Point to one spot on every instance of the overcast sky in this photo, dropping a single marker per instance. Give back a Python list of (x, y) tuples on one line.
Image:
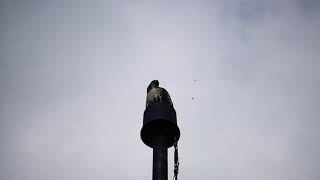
[(73, 78)]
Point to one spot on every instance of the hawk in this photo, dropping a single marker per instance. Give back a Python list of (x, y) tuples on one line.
[(157, 94)]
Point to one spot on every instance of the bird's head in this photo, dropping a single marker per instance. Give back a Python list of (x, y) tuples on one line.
[(153, 84)]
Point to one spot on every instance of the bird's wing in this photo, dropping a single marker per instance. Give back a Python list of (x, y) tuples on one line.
[(165, 96)]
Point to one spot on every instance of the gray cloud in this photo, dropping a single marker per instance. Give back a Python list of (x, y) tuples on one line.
[(73, 78)]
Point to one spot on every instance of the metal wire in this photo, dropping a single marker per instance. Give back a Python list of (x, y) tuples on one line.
[(176, 160)]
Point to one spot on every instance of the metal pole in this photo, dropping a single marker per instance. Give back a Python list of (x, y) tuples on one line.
[(160, 157), (160, 132), (160, 164)]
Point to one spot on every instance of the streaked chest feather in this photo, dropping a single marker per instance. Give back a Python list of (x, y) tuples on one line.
[(153, 93)]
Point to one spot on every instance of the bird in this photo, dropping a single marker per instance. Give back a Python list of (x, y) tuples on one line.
[(156, 94)]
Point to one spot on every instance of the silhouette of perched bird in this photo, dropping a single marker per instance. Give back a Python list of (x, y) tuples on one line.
[(157, 94)]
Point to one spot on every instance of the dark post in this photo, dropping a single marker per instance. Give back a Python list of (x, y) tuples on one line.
[(160, 163), (160, 131)]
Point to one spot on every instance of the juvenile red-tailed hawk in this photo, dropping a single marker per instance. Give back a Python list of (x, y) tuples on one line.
[(157, 94)]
